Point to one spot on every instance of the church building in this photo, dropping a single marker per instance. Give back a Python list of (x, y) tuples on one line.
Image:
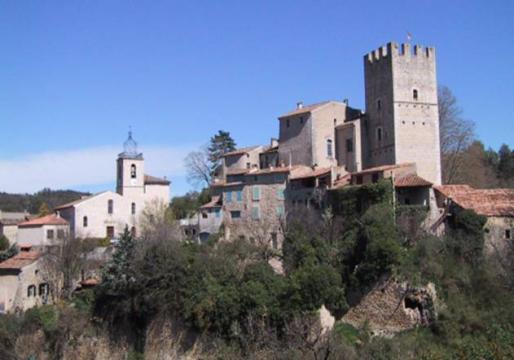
[(106, 214)]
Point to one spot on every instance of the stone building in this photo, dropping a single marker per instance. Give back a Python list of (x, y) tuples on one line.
[(330, 144), (107, 214), (495, 204), (21, 283)]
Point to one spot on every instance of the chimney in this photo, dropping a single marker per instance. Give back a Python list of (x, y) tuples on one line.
[(345, 101), (274, 142), (299, 105)]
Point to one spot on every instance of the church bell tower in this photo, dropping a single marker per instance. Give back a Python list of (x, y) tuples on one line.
[(130, 170)]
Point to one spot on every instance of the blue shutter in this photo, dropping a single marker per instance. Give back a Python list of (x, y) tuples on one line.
[(239, 195), (229, 196), (256, 193)]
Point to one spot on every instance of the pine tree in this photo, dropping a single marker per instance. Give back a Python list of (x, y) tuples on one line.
[(220, 144), (118, 275)]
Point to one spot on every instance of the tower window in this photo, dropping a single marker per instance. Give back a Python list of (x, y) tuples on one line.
[(415, 94), (349, 145), (133, 172), (379, 105), (288, 123), (379, 134), (84, 221), (110, 206), (133, 208), (329, 148)]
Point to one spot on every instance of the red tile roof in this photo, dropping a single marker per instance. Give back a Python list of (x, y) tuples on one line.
[(487, 202), (305, 172), (411, 180), (237, 171), (274, 170), (304, 109), (241, 151), (152, 180), (20, 260), (44, 220)]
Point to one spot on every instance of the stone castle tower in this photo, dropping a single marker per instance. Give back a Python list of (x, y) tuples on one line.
[(402, 117), (130, 178)]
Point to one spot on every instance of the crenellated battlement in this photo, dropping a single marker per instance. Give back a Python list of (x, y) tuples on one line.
[(399, 50)]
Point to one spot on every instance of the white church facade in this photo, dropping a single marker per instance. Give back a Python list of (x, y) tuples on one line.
[(106, 214)]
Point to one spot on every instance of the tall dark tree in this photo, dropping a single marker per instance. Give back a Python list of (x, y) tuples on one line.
[(220, 144), (505, 163)]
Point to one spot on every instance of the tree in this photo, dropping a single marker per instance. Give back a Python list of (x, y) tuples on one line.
[(63, 263), (220, 144), (456, 134), (198, 168), (506, 163), (188, 204), (43, 210)]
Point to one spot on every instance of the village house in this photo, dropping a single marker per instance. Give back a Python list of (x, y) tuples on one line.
[(43, 231), (9, 224), (21, 282), (105, 215)]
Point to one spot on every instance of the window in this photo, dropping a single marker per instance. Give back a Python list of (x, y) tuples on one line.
[(248, 165), (43, 289), (50, 234), (280, 194), (256, 192), (379, 133), (301, 120), (235, 214), (274, 240), (60, 234), (217, 211), (415, 94), (280, 210), (204, 215), (133, 208), (229, 196), (84, 221), (31, 290), (110, 206), (110, 232), (133, 172), (256, 213), (359, 179), (507, 234), (288, 123), (349, 145), (374, 178), (329, 148), (239, 195), (379, 105)]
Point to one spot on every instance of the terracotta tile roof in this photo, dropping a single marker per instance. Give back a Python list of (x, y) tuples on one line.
[(383, 168), (215, 202), (305, 172), (304, 109), (487, 202), (44, 220), (152, 180), (343, 181), (20, 260), (270, 149), (411, 180), (241, 151)]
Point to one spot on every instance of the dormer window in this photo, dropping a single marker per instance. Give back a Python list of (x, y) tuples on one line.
[(415, 94), (133, 172)]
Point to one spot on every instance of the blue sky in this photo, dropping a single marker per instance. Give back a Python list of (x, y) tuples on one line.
[(74, 75)]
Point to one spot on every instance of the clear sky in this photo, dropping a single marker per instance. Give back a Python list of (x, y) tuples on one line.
[(74, 75)]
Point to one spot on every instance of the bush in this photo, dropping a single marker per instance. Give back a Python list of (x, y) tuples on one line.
[(4, 243)]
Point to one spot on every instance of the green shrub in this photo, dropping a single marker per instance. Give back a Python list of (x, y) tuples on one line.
[(4, 243)]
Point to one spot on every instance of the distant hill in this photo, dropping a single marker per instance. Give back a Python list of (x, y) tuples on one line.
[(32, 202)]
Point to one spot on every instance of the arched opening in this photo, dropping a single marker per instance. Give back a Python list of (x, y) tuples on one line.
[(415, 94), (379, 134), (133, 208), (133, 172)]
